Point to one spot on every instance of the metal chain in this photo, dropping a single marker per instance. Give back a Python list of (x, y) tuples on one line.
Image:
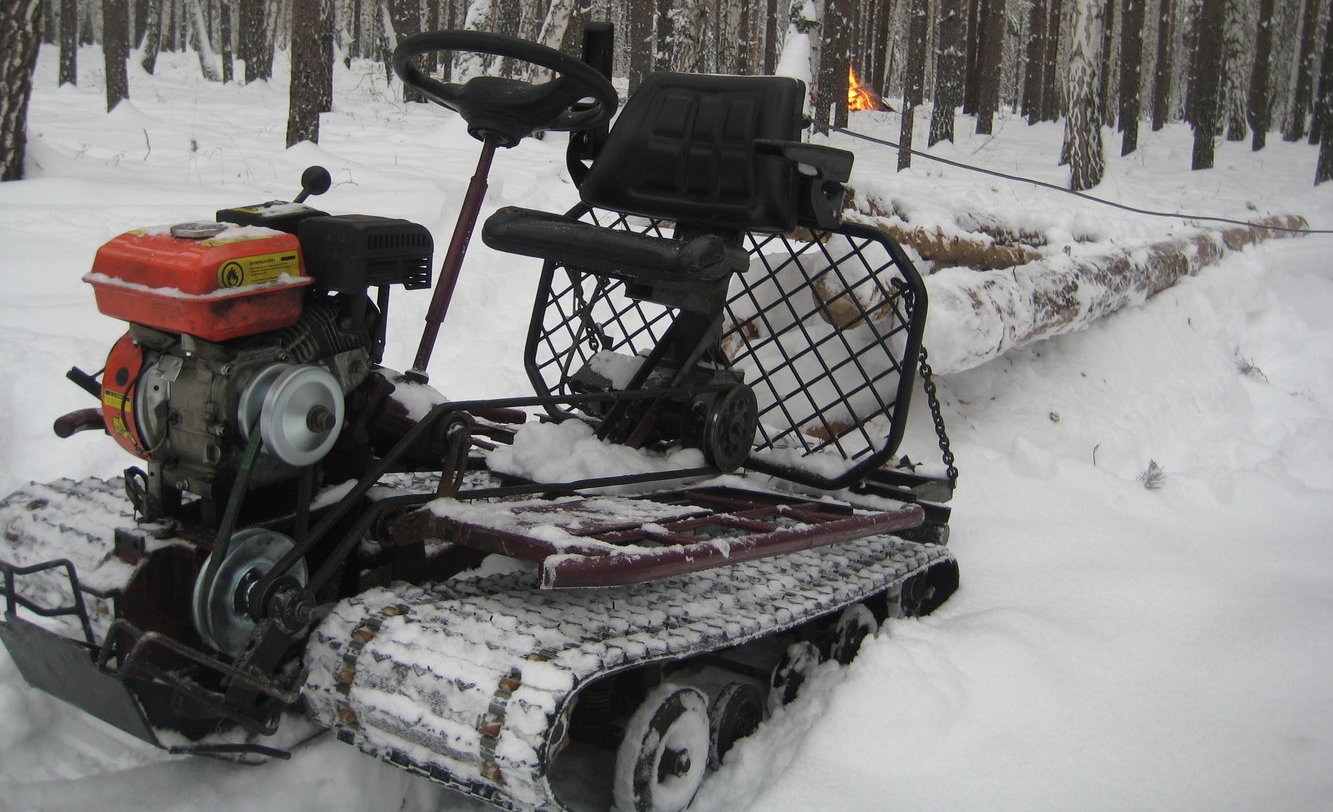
[(928, 383)]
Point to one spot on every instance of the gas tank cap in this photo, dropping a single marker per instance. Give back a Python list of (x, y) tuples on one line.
[(201, 230)]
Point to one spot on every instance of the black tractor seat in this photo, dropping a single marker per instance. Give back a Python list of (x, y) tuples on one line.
[(715, 156)]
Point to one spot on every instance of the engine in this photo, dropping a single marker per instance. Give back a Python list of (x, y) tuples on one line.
[(250, 332)]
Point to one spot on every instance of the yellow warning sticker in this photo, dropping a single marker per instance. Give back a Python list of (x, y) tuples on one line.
[(117, 400), (125, 408), (258, 270)]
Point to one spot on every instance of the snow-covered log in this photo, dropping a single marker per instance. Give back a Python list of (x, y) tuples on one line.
[(979, 252), (975, 315)]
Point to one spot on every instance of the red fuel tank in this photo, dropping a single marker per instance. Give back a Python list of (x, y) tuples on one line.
[(212, 280)]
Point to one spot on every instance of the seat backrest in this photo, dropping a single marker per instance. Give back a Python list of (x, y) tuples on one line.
[(683, 149)]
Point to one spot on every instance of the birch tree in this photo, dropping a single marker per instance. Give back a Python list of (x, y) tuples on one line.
[(20, 24), (1083, 126)]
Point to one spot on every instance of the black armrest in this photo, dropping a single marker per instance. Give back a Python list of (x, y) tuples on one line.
[(823, 172), (625, 254), (818, 160)]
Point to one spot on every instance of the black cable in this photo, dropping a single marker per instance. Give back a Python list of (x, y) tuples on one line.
[(1112, 203)]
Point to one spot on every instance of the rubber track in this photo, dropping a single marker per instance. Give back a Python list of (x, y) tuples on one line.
[(467, 682), (74, 520)]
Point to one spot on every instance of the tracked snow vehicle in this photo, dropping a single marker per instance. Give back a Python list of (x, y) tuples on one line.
[(308, 532)]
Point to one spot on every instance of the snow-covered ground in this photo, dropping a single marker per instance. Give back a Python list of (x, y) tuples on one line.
[(1113, 646)]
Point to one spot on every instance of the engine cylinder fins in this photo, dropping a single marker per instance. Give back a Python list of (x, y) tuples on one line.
[(662, 761), (219, 613), (299, 410)]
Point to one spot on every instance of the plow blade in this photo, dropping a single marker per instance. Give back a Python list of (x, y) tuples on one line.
[(68, 670)]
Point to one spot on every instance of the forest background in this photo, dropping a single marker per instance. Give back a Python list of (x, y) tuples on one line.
[(1234, 69)]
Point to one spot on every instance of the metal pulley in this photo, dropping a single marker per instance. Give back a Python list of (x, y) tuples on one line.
[(219, 604), (299, 410)]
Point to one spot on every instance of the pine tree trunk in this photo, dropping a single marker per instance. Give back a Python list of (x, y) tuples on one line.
[(1258, 106), (992, 53), (839, 40), (141, 9), (772, 43), (311, 89), (406, 19), (20, 30), (1161, 87), (1105, 89), (949, 60), (1233, 69), (746, 41), (880, 22), (1083, 126), (50, 23), (224, 38), (640, 35), (1035, 66), (69, 42), (1131, 55), (1323, 103), (251, 38), (914, 78), (115, 50), (665, 44), (1206, 86), (1300, 99), (977, 15), (1052, 87)]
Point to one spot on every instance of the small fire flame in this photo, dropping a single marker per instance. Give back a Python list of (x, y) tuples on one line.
[(860, 97)]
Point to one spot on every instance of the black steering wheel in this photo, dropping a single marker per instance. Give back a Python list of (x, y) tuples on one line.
[(508, 110)]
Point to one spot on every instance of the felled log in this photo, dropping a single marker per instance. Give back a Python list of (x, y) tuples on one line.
[(975, 316), (977, 251)]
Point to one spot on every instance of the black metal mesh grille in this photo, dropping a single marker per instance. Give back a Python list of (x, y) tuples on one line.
[(825, 327)]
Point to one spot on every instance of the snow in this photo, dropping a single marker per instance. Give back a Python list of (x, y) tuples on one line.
[(1111, 647)]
